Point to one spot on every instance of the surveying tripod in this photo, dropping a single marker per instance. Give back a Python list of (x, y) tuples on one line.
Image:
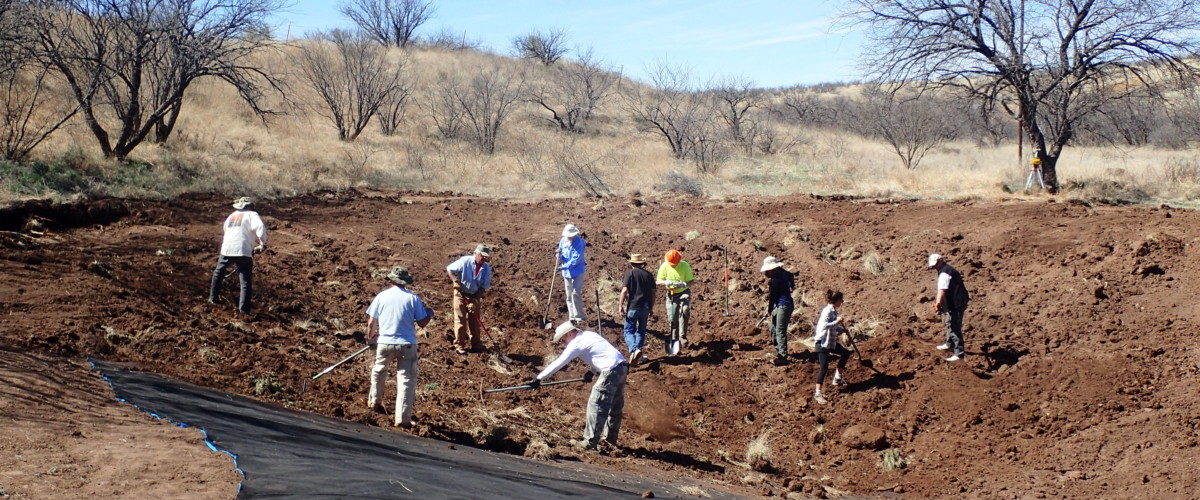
[(1035, 172)]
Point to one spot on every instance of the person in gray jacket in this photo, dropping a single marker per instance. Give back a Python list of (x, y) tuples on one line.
[(829, 325)]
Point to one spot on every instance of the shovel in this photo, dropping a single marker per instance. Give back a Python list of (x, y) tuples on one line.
[(726, 280), (869, 364), (526, 386)]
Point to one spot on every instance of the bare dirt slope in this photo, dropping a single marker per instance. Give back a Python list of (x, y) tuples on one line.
[(62, 435), (1080, 379)]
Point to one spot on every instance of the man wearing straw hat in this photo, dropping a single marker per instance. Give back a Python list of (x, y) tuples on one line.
[(393, 314), (472, 277), (637, 299), (245, 235), (607, 401), (779, 304)]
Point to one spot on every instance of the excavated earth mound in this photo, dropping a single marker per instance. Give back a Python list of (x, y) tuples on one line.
[(1080, 378)]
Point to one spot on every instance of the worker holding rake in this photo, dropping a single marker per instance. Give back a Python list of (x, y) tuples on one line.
[(607, 401), (472, 277), (393, 314), (245, 235)]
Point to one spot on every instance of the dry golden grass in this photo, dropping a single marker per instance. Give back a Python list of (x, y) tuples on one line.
[(220, 146)]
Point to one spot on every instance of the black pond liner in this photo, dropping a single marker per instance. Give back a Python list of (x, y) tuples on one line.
[(288, 453)]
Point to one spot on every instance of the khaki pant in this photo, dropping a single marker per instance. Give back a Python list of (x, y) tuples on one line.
[(574, 293), (405, 357), (605, 406), (468, 327)]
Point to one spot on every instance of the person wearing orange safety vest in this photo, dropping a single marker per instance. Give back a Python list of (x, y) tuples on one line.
[(676, 275)]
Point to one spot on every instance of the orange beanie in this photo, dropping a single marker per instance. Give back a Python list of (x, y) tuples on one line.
[(673, 256)]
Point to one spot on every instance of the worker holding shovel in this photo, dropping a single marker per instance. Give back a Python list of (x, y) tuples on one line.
[(393, 314), (676, 274), (826, 342), (779, 304), (607, 401), (472, 277), (571, 263)]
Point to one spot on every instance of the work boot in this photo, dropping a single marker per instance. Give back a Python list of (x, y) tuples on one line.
[(779, 361), (943, 347), (820, 399), (378, 408)]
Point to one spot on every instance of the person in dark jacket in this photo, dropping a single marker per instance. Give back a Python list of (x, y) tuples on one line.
[(637, 300), (951, 301), (779, 305)]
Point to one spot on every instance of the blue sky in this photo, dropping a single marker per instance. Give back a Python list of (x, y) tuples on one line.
[(773, 42)]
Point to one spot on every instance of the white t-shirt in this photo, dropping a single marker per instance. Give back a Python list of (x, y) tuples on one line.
[(397, 310), (943, 281), (589, 346), (244, 230)]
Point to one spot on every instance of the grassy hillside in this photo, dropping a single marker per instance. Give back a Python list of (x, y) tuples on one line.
[(220, 145)]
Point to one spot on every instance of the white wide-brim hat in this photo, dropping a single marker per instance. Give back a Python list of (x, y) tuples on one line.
[(570, 230), (563, 329), (770, 263)]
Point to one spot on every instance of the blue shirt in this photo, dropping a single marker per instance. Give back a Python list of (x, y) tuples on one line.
[(397, 311), (570, 256), (779, 292), (472, 282)]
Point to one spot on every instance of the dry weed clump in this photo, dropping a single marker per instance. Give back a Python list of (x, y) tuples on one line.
[(759, 453), (892, 459), (873, 263)]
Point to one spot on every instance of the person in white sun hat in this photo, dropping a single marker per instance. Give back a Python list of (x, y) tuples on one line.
[(607, 401), (570, 262), (780, 284), (951, 302), (244, 235)]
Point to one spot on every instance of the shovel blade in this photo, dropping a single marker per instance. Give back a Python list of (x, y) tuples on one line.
[(673, 347)]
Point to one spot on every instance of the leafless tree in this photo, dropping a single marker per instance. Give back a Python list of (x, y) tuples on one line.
[(391, 112), (27, 112), (573, 90), (129, 63), (389, 22), (736, 99), (486, 101), (441, 105), (674, 108), (352, 76), (1049, 63), (546, 47), (911, 125)]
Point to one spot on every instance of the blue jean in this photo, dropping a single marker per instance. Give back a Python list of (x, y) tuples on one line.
[(635, 327)]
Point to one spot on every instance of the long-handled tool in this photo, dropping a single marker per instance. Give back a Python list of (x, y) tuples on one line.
[(527, 386), (546, 323), (340, 363), (869, 364), (726, 280), (761, 320), (673, 344), (599, 314)]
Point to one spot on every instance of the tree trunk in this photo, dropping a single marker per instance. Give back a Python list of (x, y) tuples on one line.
[(1049, 171)]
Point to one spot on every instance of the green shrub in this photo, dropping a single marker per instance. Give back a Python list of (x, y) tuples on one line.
[(34, 178)]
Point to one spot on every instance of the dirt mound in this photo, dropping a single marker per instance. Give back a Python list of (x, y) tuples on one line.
[(66, 437), (1078, 380)]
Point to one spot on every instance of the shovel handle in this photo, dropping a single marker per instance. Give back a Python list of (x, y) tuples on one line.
[(526, 386), (340, 363)]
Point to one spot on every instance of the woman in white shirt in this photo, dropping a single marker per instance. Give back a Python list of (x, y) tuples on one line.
[(829, 325)]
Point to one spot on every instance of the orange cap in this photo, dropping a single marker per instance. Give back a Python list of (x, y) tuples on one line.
[(673, 256)]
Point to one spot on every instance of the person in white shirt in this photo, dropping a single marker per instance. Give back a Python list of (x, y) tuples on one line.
[(951, 301), (245, 235), (393, 314), (607, 401), (829, 325)]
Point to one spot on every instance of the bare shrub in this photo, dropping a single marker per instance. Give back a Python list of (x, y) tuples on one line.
[(443, 109), (892, 459), (911, 125), (546, 47), (486, 101), (569, 166), (736, 99), (572, 91), (130, 63), (759, 453), (392, 110), (873, 263), (451, 40), (389, 22), (684, 117), (675, 182), (29, 110), (353, 78)]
